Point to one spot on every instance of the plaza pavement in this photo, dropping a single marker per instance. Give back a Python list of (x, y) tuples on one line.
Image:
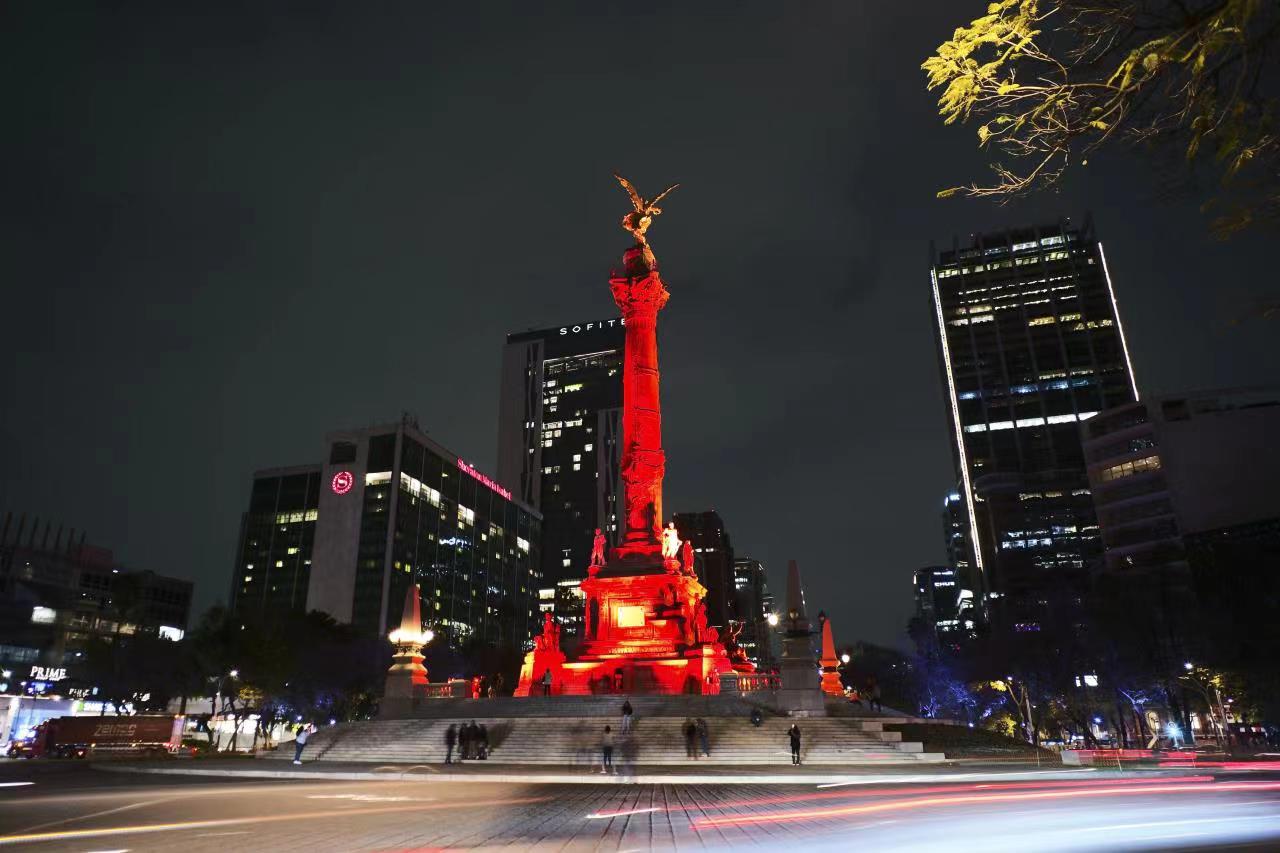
[(495, 772)]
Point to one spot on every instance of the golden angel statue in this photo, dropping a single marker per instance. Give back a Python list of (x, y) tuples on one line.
[(637, 222)]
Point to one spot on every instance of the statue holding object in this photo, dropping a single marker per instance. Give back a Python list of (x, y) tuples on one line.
[(670, 542)]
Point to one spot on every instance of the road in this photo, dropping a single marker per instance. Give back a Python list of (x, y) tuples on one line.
[(70, 807)]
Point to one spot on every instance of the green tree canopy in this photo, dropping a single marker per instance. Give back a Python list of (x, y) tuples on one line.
[(1050, 81)]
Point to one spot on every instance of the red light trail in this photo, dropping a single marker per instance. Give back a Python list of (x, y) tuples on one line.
[(1169, 787)]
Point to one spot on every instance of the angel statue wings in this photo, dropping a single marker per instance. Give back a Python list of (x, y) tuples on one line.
[(637, 222)]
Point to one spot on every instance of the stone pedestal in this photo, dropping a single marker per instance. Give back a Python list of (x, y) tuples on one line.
[(800, 693)]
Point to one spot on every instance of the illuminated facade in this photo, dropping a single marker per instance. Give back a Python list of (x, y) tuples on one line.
[(645, 624), (558, 436), (1031, 346), (277, 536), (391, 507)]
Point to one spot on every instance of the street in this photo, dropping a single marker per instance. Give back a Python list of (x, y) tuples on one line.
[(72, 807)]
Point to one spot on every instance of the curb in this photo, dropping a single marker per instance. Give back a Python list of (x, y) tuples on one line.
[(598, 779)]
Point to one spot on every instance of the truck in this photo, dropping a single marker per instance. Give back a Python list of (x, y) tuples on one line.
[(77, 737)]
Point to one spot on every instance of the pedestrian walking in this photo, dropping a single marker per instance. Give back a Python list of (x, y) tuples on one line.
[(546, 682), (690, 739), (757, 718), (473, 740), (304, 734), (873, 695), (450, 740), (794, 734), (627, 713), (704, 736), (482, 742), (606, 751)]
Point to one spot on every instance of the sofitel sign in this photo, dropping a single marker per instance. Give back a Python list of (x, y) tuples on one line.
[(587, 327)]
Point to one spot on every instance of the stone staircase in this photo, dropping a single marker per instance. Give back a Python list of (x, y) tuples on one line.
[(572, 739)]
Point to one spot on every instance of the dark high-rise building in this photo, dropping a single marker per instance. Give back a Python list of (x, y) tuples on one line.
[(713, 555), (937, 595), (393, 508), (273, 559), (1030, 344), (559, 430), (752, 605), (57, 593), (1185, 487)]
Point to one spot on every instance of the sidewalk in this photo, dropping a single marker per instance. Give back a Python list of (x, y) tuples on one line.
[(642, 775)]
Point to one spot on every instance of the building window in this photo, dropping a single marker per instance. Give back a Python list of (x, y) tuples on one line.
[(1127, 469)]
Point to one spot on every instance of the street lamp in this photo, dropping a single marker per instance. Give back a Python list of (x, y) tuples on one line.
[(235, 673), (772, 619), (844, 658), (1188, 666)]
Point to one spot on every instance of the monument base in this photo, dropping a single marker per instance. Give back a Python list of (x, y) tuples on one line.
[(645, 632)]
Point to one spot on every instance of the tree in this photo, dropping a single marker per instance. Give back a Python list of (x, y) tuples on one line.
[(1050, 81)]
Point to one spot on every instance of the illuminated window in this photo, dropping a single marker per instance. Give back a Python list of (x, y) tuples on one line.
[(1128, 469), (588, 448), (522, 544), (465, 515), (43, 615)]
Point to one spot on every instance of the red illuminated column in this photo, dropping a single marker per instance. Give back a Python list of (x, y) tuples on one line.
[(640, 295)]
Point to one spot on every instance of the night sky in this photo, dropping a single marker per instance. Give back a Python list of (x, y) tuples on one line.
[(225, 233)]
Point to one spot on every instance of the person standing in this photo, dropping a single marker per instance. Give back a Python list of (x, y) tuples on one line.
[(704, 737), (482, 742), (690, 739), (873, 695), (450, 740), (627, 713), (304, 734), (794, 734), (546, 682), (464, 743), (606, 751)]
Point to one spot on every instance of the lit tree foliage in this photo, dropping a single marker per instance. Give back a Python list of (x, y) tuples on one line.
[(1049, 81)]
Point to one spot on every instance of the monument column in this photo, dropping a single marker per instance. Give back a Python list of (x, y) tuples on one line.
[(640, 294)]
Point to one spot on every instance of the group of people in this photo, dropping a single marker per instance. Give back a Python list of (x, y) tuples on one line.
[(696, 734), (471, 740)]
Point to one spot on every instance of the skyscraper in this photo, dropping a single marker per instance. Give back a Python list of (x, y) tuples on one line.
[(752, 605), (713, 553), (558, 436), (277, 532), (1030, 344), (391, 507)]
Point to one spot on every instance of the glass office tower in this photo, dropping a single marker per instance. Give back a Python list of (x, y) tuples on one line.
[(1030, 345), (558, 436)]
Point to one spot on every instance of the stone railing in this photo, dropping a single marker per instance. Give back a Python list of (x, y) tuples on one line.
[(748, 682), (454, 688)]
